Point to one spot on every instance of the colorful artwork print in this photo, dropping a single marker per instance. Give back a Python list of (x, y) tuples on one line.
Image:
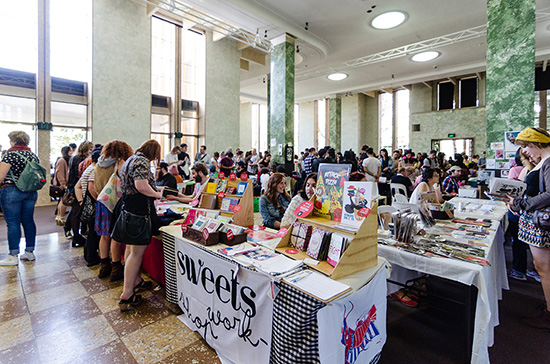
[(330, 189), (357, 337), (509, 140), (499, 154), (356, 196)]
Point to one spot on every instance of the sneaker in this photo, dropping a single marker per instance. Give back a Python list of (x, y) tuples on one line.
[(10, 260), (533, 274), (517, 275), (27, 256), (68, 234)]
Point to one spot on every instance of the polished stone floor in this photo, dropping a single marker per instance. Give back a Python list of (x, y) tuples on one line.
[(56, 310)]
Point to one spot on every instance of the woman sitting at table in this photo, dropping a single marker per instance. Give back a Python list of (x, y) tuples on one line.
[(430, 183), (304, 195), (274, 201), (535, 143), (199, 173)]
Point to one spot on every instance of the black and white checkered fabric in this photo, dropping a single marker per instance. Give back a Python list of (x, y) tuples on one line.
[(169, 251)]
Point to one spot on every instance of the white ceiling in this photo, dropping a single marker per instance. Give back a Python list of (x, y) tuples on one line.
[(340, 31)]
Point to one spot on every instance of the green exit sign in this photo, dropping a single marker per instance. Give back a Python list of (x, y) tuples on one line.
[(451, 135)]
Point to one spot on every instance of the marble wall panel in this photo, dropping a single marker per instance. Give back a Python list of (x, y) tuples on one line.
[(335, 123)]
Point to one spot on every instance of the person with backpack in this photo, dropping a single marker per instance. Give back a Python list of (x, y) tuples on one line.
[(21, 176)]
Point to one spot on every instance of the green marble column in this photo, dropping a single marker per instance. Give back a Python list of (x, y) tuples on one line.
[(281, 97), (335, 123), (268, 111), (510, 67)]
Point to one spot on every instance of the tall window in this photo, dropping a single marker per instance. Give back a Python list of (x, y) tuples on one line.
[(259, 127), (18, 35), (402, 118), (176, 109), (385, 120), (322, 124), (539, 108)]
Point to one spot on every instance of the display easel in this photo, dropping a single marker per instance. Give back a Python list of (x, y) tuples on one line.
[(362, 251), (244, 217)]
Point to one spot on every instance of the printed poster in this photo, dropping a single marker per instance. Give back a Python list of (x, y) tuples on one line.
[(329, 190), (497, 145), (227, 305), (353, 329), (356, 196), (509, 140)]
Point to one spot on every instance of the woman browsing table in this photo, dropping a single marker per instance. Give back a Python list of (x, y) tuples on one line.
[(274, 201)]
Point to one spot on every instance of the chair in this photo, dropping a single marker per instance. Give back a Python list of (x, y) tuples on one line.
[(400, 198), (403, 206), (398, 189), (384, 216), (181, 187)]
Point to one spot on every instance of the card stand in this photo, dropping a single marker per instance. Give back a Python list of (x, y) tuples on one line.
[(237, 239), (362, 251), (197, 237), (245, 217)]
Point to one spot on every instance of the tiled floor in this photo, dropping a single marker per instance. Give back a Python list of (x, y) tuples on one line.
[(56, 310)]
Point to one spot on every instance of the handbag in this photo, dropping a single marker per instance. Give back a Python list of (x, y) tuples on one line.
[(133, 229), (111, 192), (68, 199), (56, 191), (541, 218), (87, 211)]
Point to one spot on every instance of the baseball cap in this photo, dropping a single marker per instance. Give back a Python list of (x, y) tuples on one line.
[(455, 168)]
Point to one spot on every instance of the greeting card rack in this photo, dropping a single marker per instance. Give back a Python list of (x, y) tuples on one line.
[(362, 251), (245, 213)]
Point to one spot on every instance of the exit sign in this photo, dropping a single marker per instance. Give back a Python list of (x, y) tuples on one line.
[(451, 135)]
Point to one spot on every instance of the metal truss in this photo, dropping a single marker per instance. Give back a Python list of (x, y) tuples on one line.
[(196, 16)]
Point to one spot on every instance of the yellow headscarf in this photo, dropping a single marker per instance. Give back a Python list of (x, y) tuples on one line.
[(532, 135)]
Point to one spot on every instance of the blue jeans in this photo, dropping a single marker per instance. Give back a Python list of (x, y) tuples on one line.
[(18, 208)]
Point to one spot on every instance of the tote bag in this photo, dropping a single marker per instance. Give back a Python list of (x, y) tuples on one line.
[(111, 193)]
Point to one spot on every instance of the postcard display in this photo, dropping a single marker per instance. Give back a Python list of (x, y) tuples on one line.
[(237, 200), (359, 238)]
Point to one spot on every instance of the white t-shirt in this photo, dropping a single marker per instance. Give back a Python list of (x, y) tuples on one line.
[(264, 178), (371, 164), (171, 158)]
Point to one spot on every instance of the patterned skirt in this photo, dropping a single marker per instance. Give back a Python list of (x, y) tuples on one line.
[(102, 219), (530, 234)]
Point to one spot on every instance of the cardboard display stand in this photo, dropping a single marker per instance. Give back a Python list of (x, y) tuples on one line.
[(362, 252), (245, 214)]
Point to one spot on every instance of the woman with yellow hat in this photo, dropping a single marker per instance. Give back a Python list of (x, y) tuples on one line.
[(535, 144)]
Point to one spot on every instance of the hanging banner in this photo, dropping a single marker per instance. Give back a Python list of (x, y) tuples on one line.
[(353, 329), (228, 306)]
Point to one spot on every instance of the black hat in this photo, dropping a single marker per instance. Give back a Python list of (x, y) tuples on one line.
[(163, 165)]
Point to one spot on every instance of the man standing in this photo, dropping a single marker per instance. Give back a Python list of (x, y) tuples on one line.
[(450, 184), (482, 163), (431, 161), (253, 163), (184, 162), (371, 166), (202, 156), (322, 159), (308, 161)]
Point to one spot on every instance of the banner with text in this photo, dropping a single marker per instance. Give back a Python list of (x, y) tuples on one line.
[(228, 306), (353, 329)]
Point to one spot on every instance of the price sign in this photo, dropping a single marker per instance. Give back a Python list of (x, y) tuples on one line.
[(229, 234), (205, 234), (221, 175), (194, 203), (364, 212), (291, 251), (281, 233), (237, 208), (232, 177), (337, 215), (244, 177), (304, 209), (221, 194), (184, 228)]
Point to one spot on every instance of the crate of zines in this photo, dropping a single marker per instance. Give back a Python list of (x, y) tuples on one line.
[(210, 231)]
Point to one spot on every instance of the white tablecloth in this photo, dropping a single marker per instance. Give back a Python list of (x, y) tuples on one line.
[(490, 281)]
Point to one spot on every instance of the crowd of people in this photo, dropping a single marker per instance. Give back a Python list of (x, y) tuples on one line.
[(111, 190)]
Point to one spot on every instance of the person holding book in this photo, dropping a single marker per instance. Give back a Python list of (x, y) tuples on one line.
[(199, 172), (535, 143), (304, 195), (274, 201)]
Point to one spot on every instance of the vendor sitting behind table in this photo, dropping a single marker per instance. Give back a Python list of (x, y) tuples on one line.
[(304, 195), (199, 173), (450, 184), (274, 201), (166, 179), (241, 167)]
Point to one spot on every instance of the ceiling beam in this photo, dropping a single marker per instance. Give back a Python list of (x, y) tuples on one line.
[(151, 9), (453, 80), (427, 84), (388, 90), (253, 56), (370, 93), (241, 46), (245, 65)]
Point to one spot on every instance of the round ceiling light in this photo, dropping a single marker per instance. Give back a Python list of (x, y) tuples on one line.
[(339, 76), (388, 20), (425, 56)]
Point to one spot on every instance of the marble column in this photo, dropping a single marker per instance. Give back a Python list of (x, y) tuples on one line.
[(510, 81), (281, 120), (335, 123)]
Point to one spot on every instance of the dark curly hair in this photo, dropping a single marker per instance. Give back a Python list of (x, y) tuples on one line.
[(117, 149)]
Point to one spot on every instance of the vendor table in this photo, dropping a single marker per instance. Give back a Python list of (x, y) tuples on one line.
[(489, 281), (295, 331)]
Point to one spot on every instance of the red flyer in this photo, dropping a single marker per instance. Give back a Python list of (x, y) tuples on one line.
[(184, 228), (237, 208), (281, 232), (194, 203), (304, 209), (363, 212)]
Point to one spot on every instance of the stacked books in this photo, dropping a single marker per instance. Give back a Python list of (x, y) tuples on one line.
[(228, 204)]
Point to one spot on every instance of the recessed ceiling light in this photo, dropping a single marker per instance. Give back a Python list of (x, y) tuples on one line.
[(389, 20), (425, 56), (339, 76)]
